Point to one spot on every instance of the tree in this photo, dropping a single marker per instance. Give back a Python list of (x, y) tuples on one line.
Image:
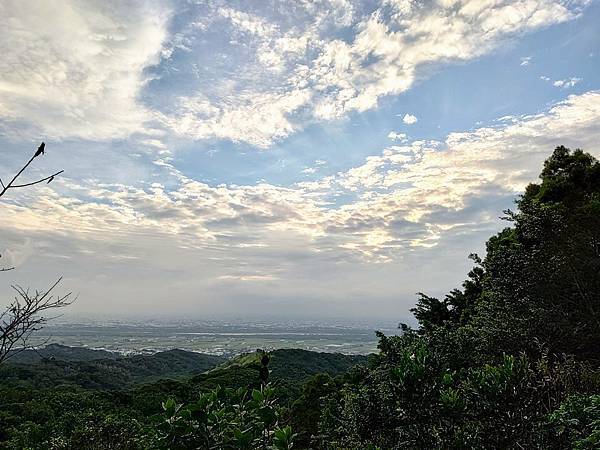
[(542, 282), (11, 184), (226, 419), (538, 288), (492, 362), (25, 314)]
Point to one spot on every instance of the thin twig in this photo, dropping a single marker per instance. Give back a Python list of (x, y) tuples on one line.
[(50, 178), (11, 185)]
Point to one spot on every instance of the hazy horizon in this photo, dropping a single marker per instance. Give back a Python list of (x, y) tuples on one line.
[(306, 160)]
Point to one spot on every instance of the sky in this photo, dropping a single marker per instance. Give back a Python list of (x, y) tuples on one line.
[(301, 159)]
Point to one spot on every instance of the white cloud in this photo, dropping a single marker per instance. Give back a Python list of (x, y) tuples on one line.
[(509, 155), (157, 143), (327, 77), (409, 119), (257, 118), (197, 243), (72, 69), (394, 136), (247, 277), (525, 61), (391, 200), (566, 83), (267, 75), (314, 169), (413, 183), (79, 69)]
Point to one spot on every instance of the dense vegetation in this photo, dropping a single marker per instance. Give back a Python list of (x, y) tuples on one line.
[(74, 398), (509, 360), (95, 369)]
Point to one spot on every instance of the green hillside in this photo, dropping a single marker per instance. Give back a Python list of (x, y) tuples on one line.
[(293, 364), (103, 373), (289, 368), (60, 352)]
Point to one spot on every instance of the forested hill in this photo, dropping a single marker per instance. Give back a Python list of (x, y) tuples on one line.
[(293, 364), (75, 392), (289, 369), (56, 365), (60, 352), (96, 369)]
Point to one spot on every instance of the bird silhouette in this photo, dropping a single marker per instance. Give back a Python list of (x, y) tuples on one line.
[(40, 150)]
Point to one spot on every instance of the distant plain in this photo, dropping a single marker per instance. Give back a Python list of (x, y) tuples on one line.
[(214, 337)]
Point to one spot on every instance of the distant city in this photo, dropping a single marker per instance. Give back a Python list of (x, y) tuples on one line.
[(215, 337)]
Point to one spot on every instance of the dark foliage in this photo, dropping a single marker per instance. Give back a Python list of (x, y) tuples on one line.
[(511, 359), (110, 373)]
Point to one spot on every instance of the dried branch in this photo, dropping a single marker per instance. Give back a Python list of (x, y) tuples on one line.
[(24, 316), (12, 185)]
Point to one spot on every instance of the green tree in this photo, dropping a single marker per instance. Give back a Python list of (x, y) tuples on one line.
[(491, 362)]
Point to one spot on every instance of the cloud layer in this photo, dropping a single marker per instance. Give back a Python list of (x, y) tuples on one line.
[(408, 197), (75, 69), (137, 95), (82, 70), (339, 58)]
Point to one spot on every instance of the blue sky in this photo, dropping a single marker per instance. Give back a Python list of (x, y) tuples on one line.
[(309, 158)]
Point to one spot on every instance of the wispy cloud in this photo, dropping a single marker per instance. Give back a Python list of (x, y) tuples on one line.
[(303, 72), (394, 136), (566, 83), (89, 63), (72, 69), (525, 60)]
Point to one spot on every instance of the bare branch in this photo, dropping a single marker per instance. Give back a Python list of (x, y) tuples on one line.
[(12, 185), (25, 315), (49, 178)]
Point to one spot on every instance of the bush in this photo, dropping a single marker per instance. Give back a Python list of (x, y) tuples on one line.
[(576, 423), (226, 419)]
